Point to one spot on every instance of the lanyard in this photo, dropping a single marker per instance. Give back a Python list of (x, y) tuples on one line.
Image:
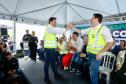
[(93, 35)]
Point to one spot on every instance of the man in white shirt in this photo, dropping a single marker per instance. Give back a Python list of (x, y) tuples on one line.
[(99, 41), (76, 45), (70, 31), (50, 45)]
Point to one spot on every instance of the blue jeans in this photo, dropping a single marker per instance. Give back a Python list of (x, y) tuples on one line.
[(50, 58), (41, 53), (75, 60), (76, 57), (93, 68)]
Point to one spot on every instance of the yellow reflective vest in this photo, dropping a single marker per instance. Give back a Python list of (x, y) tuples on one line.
[(62, 48), (50, 40), (96, 41)]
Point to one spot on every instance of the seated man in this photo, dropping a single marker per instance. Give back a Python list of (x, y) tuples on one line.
[(76, 44), (41, 51), (121, 67), (117, 48), (11, 71), (11, 65)]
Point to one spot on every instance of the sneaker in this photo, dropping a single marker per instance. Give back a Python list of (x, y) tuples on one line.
[(73, 70), (65, 68)]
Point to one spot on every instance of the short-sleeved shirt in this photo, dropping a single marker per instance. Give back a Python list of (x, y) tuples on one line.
[(105, 32), (78, 44)]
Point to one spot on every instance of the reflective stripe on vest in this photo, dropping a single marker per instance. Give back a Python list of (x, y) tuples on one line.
[(96, 43), (50, 40)]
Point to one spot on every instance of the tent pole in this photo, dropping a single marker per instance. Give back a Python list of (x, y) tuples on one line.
[(16, 6), (118, 8), (66, 3), (14, 36)]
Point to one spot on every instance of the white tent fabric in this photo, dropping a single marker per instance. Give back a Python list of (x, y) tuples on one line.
[(66, 11)]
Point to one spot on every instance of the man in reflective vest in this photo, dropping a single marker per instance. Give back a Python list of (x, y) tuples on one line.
[(99, 41), (50, 44)]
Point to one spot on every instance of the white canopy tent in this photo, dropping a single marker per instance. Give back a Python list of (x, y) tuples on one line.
[(66, 11)]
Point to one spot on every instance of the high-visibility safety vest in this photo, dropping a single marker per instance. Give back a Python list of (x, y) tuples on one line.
[(50, 40), (96, 42), (62, 47)]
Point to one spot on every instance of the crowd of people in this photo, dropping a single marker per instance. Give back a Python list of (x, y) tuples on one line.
[(75, 51), (79, 53), (9, 66)]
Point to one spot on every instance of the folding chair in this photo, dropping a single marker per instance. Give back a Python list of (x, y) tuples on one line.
[(107, 65)]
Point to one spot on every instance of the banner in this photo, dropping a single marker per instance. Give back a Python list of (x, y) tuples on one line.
[(118, 29)]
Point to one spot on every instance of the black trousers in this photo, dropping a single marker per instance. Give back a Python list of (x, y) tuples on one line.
[(33, 52)]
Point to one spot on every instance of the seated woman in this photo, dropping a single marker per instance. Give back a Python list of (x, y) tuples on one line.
[(66, 60), (121, 66), (62, 48)]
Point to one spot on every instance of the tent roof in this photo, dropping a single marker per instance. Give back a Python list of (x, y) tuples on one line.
[(66, 11)]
